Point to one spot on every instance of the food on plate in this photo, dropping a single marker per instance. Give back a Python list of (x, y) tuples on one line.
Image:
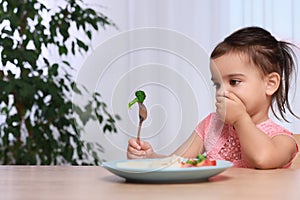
[(140, 97), (173, 161), (199, 161), (169, 162)]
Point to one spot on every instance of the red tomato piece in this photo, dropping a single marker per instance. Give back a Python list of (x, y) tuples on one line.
[(206, 162)]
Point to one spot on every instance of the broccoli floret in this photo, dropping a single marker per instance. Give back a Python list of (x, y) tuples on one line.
[(140, 97)]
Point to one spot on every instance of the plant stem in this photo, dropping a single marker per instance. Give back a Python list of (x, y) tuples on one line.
[(20, 111)]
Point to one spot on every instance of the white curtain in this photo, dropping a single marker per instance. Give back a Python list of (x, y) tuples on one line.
[(162, 47)]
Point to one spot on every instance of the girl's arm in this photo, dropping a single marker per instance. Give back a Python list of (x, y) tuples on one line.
[(260, 150), (191, 147)]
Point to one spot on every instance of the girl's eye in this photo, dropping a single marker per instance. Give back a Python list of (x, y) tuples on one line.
[(234, 82)]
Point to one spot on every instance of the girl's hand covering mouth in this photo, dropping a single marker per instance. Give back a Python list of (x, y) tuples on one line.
[(229, 107)]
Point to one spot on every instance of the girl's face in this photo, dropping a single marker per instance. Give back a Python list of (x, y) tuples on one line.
[(236, 74)]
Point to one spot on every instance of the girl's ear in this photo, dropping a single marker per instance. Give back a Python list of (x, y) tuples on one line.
[(272, 83)]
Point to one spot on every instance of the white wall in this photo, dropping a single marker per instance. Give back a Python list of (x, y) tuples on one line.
[(162, 47)]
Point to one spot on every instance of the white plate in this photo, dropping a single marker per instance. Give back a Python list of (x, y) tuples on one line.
[(163, 174)]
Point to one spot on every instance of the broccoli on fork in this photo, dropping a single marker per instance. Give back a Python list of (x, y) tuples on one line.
[(140, 97)]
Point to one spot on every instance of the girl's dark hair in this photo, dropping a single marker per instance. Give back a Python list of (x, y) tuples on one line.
[(266, 52)]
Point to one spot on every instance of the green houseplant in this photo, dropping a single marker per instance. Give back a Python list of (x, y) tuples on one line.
[(40, 124)]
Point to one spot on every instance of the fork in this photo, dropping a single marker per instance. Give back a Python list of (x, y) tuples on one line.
[(142, 117)]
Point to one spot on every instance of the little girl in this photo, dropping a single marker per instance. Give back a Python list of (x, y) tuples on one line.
[(251, 71)]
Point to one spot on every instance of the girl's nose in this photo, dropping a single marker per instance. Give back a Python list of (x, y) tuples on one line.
[(221, 90)]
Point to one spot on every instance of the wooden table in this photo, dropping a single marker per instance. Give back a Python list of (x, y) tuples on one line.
[(70, 182)]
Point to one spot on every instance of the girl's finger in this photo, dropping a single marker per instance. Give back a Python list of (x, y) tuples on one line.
[(132, 156), (135, 151), (133, 142), (145, 145), (232, 96), (219, 99)]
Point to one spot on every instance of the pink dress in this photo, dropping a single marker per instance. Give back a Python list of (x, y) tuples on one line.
[(222, 143)]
